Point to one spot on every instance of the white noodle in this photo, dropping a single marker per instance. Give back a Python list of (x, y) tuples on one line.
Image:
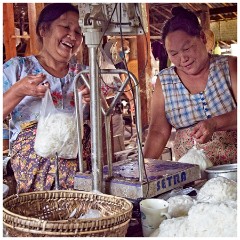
[(57, 133)]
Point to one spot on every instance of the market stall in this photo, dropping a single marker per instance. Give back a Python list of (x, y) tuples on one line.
[(120, 193)]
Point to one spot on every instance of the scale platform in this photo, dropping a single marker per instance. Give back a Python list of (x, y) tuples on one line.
[(162, 176)]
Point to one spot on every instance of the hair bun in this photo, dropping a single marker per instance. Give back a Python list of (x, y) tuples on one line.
[(178, 10)]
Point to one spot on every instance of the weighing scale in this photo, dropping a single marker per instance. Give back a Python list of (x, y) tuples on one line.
[(126, 178), (162, 176)]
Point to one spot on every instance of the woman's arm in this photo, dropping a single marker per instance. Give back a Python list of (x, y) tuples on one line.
[(233, 75), (159, 129), (27, 86)]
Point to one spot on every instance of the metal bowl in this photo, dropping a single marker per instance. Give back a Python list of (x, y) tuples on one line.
[(227, 170)]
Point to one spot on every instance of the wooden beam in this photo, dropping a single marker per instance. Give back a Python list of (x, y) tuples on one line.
[(205, 17), (20, 36), (9, 31), (161, 13), (194, 9), (155, 28), (224, 43), (33, 11), (188, 6), (155, 37), (222, 10), (144, 73), (209, 5), (167, 10)]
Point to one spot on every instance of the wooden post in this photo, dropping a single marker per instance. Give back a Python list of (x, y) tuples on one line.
[(144, 73), (133, 61), (133, 48), (205, 17), (9, 31), (34, 10)]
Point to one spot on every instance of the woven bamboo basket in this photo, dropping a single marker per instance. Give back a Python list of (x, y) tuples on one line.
[(56, 214)]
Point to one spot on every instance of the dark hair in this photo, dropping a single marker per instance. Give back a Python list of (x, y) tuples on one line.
[(184, 20), (51, 12)]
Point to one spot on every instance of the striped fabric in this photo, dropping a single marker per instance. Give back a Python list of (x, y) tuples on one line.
[(184, 109)]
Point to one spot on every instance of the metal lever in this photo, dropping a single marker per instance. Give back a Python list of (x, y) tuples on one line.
[(56, 173)]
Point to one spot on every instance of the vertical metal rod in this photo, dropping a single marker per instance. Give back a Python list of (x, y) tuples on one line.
[(139, 127), (79, 77), (57, 172), (79, 127), (96, 122), (108, 144)]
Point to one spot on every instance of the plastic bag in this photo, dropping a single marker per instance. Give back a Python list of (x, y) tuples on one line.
[(197, 156), (56, 131)]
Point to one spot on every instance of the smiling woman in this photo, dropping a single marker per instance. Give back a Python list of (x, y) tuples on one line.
[(60, 36), (197, 96), (25, 81)]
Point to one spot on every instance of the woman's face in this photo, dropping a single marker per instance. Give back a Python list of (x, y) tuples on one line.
[(188, 53), (64, 37)]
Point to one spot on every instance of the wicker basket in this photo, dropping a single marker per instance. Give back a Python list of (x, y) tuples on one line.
[(56, 213)]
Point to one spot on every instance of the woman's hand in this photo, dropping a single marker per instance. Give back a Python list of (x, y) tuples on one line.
[(31, 85), (204, 130), (85, 93)]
